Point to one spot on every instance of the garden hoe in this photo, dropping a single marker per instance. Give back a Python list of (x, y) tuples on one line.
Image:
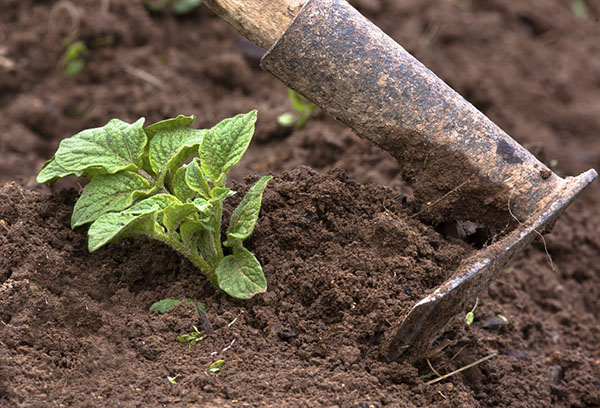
[(460, 165)]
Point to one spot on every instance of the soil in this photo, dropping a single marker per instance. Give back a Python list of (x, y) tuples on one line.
[(342, 254)]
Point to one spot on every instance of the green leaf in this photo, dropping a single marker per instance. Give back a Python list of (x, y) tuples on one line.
[(215, 367), (297, 101), (157, 202), (114, 226), (52, 171), (469, 317), (169, 125), (219, 194), (245, 215), (181, 7), (163, 306), (74, 67), (225, 144), (203, 206), (190, 231), (197, 237), (580, 9), (196, 305), (73, 51), (176, 213), (139, 219), (106, 193), (172, 142), (195, 179), (114, 147), (172, 379), (180, 187), (240, 275), (287, 119), (185, 338)]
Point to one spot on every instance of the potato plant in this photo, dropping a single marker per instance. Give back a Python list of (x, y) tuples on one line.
[(142, 183)]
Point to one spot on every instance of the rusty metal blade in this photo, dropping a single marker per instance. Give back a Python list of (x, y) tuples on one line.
[(446, 148)]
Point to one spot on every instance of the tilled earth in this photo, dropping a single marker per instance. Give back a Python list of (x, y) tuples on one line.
[(75, 328)]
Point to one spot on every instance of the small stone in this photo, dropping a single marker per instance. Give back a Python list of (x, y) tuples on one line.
[(490, 323), (287, 334), (517, 353)]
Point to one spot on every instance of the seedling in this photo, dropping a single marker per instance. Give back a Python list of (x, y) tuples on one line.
[(192, 338), (141, 186), (172, 379), (580, 9), (215, 367), (72, 59), (470, 316), (302, 109)]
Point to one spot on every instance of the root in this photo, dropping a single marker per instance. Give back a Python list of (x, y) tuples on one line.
[(473, 364), (430, 205), (73, 12), (534, 230), (144, 76)]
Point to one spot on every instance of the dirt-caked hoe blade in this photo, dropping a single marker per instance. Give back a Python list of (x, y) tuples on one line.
[(460, 165)]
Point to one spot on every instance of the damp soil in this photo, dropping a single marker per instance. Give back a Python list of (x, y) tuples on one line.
[(342, 261), (343, 253)]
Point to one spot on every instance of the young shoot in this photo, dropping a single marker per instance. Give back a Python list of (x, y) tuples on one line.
[(470, 316), (215, 367), (302, 111), (72, 60), (141, 186), (192, 338)]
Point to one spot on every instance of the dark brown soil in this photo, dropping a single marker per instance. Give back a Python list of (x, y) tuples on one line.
[(342, 265), (341, 256)]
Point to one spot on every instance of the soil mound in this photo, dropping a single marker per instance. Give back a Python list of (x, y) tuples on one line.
[(343, 262)]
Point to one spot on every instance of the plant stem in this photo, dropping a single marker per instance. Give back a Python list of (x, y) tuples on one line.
[(218, 215), (147, 176), (195, 257)]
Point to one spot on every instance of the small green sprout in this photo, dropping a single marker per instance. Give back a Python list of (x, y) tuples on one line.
[(302, 109), (192, 338), (172, 379), (580, 9), (72, 59), (501, 317), (470, 316), (141, 186), (215, 367)]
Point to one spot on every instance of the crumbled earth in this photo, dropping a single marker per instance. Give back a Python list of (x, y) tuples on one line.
[(336, 280), (342, 255)]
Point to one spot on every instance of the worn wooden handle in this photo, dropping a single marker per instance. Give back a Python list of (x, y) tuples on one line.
[(260, 21)]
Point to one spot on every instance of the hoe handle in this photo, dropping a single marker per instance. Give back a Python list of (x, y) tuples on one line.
[(260, 21)]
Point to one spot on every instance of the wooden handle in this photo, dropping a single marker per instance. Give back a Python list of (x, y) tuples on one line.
[(260, 21)]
